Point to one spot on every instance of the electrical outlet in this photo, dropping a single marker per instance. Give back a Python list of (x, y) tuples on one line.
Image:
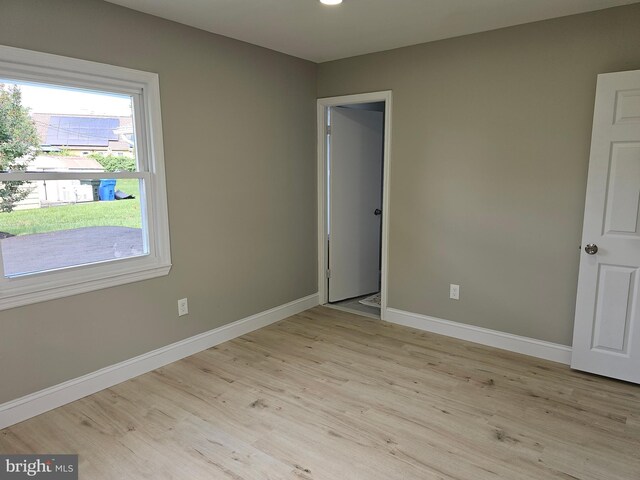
[(183, 307), (454, 291)]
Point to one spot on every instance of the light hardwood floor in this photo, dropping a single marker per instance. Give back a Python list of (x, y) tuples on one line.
[(331, 395)]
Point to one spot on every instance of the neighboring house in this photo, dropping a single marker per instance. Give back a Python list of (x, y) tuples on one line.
[(80, 135), (85, 134), (56, 192)]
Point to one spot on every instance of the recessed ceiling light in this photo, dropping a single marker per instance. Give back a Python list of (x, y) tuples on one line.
[(331, 2)]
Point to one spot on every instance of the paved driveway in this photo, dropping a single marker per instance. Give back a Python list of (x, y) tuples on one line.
[(48, 251)]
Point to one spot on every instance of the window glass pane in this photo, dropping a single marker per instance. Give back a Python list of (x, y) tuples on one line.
[(63, 222), (70, 129), (82, 222)]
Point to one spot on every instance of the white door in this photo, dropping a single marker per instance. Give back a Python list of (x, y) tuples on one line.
[(355, 202), (606, 337)]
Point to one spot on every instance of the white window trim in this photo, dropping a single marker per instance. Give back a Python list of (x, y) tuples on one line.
[(27, 65)]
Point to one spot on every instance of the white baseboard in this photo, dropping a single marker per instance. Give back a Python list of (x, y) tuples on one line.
[(36, 403), (493, 338)]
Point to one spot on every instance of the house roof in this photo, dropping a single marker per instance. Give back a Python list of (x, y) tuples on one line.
[(57, 163), (80, 130)]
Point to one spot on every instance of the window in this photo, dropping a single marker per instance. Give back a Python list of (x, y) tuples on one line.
[(82, 195)]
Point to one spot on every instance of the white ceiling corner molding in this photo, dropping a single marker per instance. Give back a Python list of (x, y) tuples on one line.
[(356, 27)]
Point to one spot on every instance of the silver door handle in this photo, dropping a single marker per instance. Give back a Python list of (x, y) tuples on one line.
[(591, 248)]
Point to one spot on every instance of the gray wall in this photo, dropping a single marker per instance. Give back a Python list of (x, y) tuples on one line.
[(240, 158), (490, 149)]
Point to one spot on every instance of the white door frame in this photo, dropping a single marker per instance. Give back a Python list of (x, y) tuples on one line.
[(323, 105)]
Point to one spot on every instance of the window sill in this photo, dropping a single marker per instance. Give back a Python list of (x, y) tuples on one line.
[(115, 278)]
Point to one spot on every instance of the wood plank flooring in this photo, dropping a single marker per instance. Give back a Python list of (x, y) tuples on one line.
[(331, 395)]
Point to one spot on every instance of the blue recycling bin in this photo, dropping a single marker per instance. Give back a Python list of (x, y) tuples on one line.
[(107, 190)]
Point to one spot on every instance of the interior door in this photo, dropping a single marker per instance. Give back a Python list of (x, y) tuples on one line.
[(606, 336), (355, 202)]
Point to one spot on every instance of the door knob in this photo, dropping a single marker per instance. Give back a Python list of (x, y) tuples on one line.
[(377, 211), (591, 248)]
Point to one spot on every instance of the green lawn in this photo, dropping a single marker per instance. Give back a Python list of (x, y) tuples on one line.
[(119, 213)]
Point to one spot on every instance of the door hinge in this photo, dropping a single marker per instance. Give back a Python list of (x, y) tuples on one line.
[(328, 130), (328, 273)]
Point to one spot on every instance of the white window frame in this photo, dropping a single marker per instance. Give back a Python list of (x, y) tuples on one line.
[(144, 87)]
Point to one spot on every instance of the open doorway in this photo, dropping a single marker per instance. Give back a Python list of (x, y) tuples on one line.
[(354, 149)]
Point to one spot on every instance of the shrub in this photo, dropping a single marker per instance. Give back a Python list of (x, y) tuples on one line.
[(114, 163)]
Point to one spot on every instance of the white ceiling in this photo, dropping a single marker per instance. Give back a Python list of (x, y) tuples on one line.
[(307, 29)]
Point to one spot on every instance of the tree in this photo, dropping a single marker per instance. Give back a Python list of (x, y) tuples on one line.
[(19, 144)]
